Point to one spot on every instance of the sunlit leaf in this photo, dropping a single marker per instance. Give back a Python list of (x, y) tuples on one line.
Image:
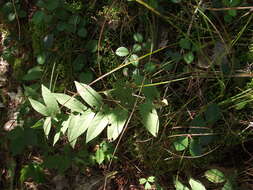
[(150, 117), (39, 107), (47, 126), (215, 176), (78, 125), (179, 186), (100, 156), (97, 125), (196, 185), (90, 96), (181, 143), (70, 102), (50, 101), (122, 51), (117, 119)]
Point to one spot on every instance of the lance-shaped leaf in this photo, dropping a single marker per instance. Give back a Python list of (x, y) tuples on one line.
[(39, 107), (78, 125), (70, 102), (47, 126), (117, 119), (97, 125), (50, 101), (149, 117), (61, 130), (90, 96)]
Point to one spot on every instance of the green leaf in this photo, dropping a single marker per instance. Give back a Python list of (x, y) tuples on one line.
[(38, 17), (98, 124), (134, 59), (41, 59), (117, 119), (100, 156), (149, 117), (82, 32), (47, 126), (181, 143), (213, 113), (215, 176), (142, 181), (148, 186), (185, 43), (39, 107), (90, 96), (50, 101), (196, 185), (138, 37), (179, 186), (137, 47), (52, 5), (151, 179), (78, 125), (122, 51), (195, 147), (61, 130), (70, 102), (189, 57), (33, 74)]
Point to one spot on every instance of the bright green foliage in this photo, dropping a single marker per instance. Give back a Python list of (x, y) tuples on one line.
[(50, 101), (39, 107), (181, 143), (90, 96), (215, 176), (47, 126), (122, 51), (138, 37), (147, 182), (117, 119), (34, 171), (98, 124), (78, 124), (104, 153), (179, 186), (196, 185), (70, 102)]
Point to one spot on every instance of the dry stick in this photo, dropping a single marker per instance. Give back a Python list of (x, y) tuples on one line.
[(229, 8), (192, 157)]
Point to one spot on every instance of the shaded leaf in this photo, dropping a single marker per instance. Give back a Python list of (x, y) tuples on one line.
[(213, 113), (61, 130), (138, 37), (189, 57), (70, 102), (90, 96), (195, 147), (149, 117)]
